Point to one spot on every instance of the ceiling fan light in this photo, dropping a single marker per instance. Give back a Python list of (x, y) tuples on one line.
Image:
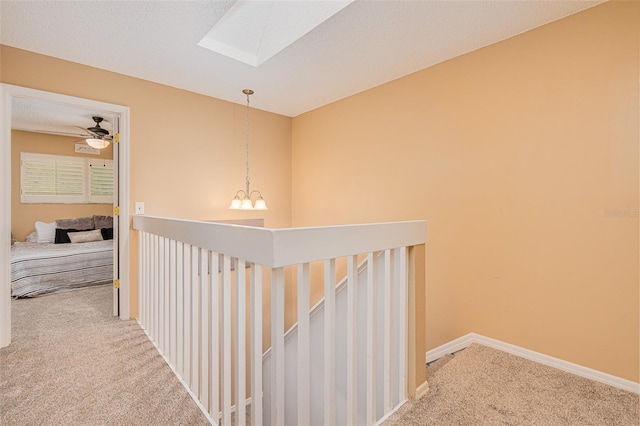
[(97, 143)]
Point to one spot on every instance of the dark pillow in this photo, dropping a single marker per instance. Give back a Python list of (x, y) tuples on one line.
[(62, 235), (107, 233)]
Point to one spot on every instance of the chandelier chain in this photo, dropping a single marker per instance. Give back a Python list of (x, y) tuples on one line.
[(245, 203), (247, 143)]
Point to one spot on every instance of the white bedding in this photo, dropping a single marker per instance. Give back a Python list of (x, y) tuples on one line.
[(38, 268)]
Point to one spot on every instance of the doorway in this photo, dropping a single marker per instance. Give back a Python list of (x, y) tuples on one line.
[(120, 114)]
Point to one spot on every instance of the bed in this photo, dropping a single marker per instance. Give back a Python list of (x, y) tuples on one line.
[(44, 267), (38, 268)]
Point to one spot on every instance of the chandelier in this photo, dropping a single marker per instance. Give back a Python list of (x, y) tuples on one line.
[(242, 199)]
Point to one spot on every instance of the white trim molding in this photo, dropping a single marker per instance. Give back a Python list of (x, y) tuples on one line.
[(391, 413), (5, 216), (179, 377), (9, 92), (579, 370), (422, 390)]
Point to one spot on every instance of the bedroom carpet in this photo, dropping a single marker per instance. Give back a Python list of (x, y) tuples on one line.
[(72, 363), (484, 386)]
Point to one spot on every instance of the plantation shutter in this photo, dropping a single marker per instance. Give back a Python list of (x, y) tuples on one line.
[(52, 179), (100, 181)]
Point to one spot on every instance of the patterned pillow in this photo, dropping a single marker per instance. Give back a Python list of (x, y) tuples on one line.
[(79, 223), (102, 221), (85, 236)]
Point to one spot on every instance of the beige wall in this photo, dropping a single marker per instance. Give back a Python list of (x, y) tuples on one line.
[(187, 150), (516, 155), (23, 216)]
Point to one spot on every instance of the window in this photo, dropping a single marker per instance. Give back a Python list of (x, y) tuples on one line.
[(62, 179), (100, 181)]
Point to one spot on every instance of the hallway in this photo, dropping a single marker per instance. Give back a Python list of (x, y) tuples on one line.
[(71, 362)]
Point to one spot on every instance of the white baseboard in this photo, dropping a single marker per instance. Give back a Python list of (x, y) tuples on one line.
[(184, 383), (422, 390), (390, 413), (448, 348), (579, 370), (180, 378)]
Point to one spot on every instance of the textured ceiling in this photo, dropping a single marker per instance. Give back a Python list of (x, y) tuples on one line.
[(45, 117), (366, 44)]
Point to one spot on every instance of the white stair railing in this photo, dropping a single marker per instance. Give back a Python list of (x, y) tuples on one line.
[(193, 306)]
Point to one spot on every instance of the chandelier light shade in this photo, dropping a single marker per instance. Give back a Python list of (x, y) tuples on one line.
[(235, 203), (260, 204), (97, 143), (242, 199)]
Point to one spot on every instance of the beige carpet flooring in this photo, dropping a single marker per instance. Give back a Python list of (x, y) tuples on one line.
[(484, 386), (72, 363)]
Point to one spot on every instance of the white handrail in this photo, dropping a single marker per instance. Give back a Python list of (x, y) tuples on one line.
[(277, 248)]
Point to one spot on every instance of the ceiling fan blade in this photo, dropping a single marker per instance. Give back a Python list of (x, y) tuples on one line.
[(87, 132), (51, 132), (99, 136)]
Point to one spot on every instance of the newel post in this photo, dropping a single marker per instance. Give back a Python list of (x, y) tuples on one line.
[(417, 368)]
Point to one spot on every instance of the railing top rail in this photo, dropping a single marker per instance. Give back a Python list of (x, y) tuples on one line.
[(287, 246)]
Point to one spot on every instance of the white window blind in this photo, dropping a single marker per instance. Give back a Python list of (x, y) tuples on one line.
[(52, 179), (100, 180), (63, 179)]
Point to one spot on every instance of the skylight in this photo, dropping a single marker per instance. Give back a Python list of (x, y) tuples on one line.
[(253, 31)]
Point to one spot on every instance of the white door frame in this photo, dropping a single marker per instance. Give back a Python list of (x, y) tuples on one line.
[(9, 92)]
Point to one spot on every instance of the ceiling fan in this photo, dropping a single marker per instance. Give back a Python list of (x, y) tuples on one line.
[(98, 137), (95, 136)]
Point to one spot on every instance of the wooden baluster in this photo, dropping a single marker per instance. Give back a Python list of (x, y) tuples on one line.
[(214, 341), (156, 289), (401, 282), (141, 279), (256, 344), (161, 287), (277, 346), (195, 321), (304, 356), (226, 340), (387, 362), (352, 340), (167, 302), (330, 342), (186, 269), (180, 307), (241, 350), (372, 288), (204, 328)]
